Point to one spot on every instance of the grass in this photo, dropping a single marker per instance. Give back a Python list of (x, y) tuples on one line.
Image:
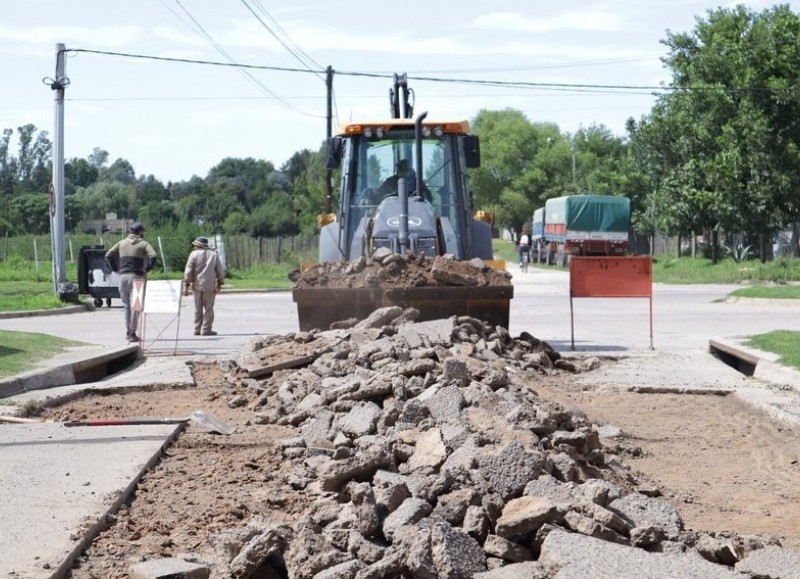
[(784, 343), (27, 295), (260, 277), (779, 279), (19, 351), (21, 289), (727, 271), (783, 292)]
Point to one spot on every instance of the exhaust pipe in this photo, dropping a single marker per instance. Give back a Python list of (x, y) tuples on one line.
[(402, 234)]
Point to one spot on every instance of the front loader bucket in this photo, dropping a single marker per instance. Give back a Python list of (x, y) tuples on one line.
[(320, 307)]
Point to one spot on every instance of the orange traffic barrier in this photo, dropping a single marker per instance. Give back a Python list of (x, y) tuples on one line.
[(610, 277)]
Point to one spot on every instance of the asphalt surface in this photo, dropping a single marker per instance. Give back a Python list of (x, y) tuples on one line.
[(60, 485)]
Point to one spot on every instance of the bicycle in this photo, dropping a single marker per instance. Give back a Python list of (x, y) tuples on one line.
[(524, 259)]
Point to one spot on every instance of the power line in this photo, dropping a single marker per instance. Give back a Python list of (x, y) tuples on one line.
[(200, 30), (299, 54), (549, 66), (186, 60), (295, 50), (580, 87)]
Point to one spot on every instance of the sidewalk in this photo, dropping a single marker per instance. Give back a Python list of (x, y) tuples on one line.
[(62, 485)]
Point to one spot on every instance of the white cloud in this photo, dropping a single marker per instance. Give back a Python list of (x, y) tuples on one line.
[(598, 19), (102, 36)]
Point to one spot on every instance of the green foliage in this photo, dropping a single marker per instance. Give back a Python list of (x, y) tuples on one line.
[(523, 164), (103, 197), (32, 211), (261, 277), (690, 271), (508, 143), (722, 151), (79, 173), (505, 249), (771, 292), (780, 342), (739, 252)]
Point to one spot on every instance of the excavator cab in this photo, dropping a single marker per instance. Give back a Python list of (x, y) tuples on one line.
[(384, 163)]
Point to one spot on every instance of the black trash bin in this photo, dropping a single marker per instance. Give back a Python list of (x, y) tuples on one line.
[(95, 276)]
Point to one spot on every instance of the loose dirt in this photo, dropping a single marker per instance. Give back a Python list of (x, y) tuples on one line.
[(387, 270), (722, 464)]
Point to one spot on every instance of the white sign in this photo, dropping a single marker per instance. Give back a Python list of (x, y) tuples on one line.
[(137, 295), (162, 297)]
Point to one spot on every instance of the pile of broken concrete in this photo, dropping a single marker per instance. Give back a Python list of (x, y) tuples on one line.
[(430, 455)]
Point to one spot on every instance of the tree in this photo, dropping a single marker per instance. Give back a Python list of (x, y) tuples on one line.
[(33, 212), (79, 173), (30, 170), (309, 189), (508, 141), (158, 214), (98, 158), (735, 166), (105, 197), (274, 218), (8, 165), (120, 171), (150, 190)]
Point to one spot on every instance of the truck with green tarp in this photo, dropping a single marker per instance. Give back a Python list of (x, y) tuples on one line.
[(585, 225)]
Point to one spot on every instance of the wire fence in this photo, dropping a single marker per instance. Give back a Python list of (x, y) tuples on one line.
[(239, 251)]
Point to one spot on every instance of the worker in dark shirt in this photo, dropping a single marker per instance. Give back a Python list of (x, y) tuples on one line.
[(403, 170), (132, 258)]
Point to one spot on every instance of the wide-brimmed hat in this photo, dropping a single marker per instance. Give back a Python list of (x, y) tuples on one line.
[(200, 242)]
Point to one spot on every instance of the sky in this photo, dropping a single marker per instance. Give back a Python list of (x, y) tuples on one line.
[(178, 119)]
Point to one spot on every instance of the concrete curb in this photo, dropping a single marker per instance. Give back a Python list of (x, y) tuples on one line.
[(78, 366), (756, 363), (54, 312)]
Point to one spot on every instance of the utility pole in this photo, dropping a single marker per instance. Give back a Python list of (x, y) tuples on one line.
[(574, 181), (57, 186), (329, 173)]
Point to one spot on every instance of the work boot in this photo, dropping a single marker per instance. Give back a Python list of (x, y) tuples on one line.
[(210, 333), (133, 338)]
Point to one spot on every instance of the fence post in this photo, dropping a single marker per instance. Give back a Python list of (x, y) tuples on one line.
[(161, 250), (36, 259)]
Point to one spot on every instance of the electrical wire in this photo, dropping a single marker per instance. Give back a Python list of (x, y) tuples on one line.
[(295, 50), (201, 31), (298, 53), (577, 87)]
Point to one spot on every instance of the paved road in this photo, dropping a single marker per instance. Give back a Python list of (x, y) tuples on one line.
[(56, 479), (684, 318)]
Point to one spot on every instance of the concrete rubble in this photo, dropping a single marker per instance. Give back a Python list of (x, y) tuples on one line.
[(428, 454)]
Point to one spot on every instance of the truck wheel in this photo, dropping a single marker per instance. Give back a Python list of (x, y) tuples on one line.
[(98, 302), (108, 302)]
